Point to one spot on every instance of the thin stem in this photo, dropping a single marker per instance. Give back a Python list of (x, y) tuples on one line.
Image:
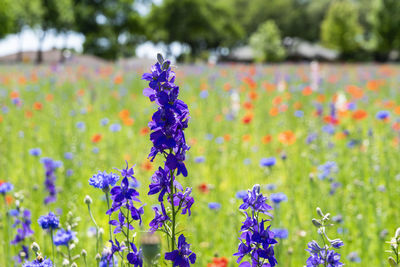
[(52, 244), (109, 216), (173, 210), (127, 235), (69, 254), (97, 228)]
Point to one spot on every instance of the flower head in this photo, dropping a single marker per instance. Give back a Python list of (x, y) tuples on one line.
[(62, 237), (183, 255), (103, 180), (49, 221)]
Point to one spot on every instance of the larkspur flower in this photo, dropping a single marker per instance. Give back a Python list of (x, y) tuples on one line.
[(50, 167), (214, 205), (63, 237), (167, 135), (103, 180), (280, 233), (182, 255), (256, 240), (49, 221)]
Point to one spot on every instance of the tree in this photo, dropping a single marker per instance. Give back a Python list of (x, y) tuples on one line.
[(266, 42), (112, 27), (6, 17), (25, 14), (200, 24), (387, 27), (340, 28)]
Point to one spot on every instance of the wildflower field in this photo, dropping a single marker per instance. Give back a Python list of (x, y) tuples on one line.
[(324, 136)]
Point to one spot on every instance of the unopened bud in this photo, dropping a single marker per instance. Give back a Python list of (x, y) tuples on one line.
[(397, 235), (74, 265), (65, 262), (98, 257), (35, 247), (160, 58), (257, 188), (83, 253), (392, 262), (316, 223), (319, 212), (88, 200)]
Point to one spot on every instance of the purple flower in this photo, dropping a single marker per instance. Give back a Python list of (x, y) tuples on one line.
[(267, 162), (280, 233), (382, 114), (35, 152), (115, 127), (6, 187), (183, 255), (214, 206), (103, 180), (39, 262), (22, 219), (159, 218), (256, 241), (135, 257), (241, 194), (49, 221), (62, 237), (278, 197), (68, 155), (50, 167)]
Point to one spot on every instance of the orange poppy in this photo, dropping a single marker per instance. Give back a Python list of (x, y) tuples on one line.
[(144, 131), (96, 138), (49, 97), (307, 91), (287, 137), (14, 94), (227, 87), (253, 95), (227, 137), (1, 118), (359, 114), (321, 98), (218, 262), (248, 105), (266, 139), (397, 110), (128, 121), (247, 118), (147, 165), (123, 114), (37, 105), (246, 138), (274, 111), (118, 79), (80, 92), (354, 91), (28, 114), (277, 100), (203, 188), (269, 87), (9, 199)]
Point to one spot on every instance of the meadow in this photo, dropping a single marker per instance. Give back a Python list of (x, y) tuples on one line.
[(329, 135)]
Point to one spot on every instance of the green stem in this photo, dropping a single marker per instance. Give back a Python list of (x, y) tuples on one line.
[(52, 245), (97, 228), (109, 216), (127, 235), (173, 210)]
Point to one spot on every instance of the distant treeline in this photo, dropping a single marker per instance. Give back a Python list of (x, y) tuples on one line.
[(357, 29)]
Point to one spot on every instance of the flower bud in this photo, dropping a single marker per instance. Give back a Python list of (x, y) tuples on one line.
[(397, 235), (88, 200), (98, 257), (319, 212), (74, 265), (257, 188), (316, 223), (392, 262), (160, 58), (65, 262), (35, 247), (83, 253)]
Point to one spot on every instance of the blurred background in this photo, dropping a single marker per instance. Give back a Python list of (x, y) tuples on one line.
[(201, 30)]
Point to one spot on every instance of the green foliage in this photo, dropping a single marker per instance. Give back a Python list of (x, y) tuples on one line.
[(111, 27), (266, 42), (200, 24), (26, 14), (6, 17), (340, 28), (386, 26)]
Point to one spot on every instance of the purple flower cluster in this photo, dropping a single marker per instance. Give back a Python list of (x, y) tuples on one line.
[(167, 135), (323, 255), (103, 180), (49, 221), (50, 167), (39, 262), (122, 197), (256, 240), (22, 221), (6, 187), (63, 237)]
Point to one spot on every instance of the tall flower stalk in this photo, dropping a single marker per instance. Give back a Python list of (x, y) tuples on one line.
[(256, 240), (324, 255), (167, 135)]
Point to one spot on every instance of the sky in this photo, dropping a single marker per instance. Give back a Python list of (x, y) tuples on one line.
[(29, 41)]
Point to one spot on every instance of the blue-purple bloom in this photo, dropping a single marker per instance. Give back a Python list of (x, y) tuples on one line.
[(39, 262), (267, 162), (214, 205), (50, 167), (280, 233), (35, 152), (103, 180), (63, 237), (256, 241), (382, 114), (183, 255), (167, 135), (278, 197), (49, 221), (6, 187)]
